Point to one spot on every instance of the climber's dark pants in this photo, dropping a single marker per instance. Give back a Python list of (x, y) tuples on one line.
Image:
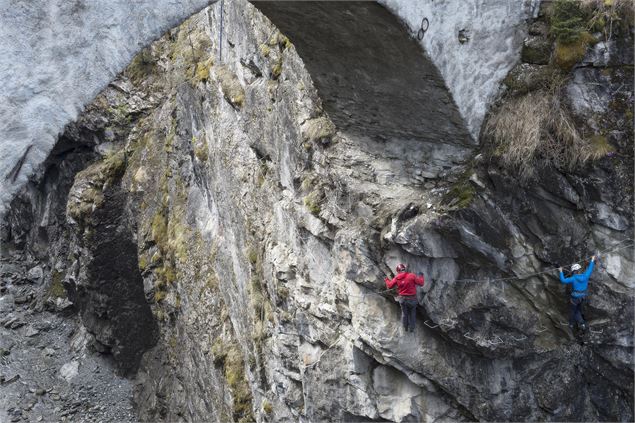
[(409, 312), (575, 311)]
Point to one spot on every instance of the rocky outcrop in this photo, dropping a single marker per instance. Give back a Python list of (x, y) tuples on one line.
[(258, 228), (43, 91), (104, 280)]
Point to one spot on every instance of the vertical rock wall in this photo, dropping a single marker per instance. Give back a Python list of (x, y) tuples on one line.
[(263, 232)]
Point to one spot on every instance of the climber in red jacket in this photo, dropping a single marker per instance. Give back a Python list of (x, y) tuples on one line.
[(407, 289)]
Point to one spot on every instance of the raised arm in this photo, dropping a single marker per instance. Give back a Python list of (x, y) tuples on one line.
[(419, 279), (390, 283), (589, 270), (563, 279)]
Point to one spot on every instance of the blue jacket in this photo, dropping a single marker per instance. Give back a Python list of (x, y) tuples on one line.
[(580, 281)]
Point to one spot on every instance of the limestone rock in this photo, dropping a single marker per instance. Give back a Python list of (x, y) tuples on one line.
[(69, 370)]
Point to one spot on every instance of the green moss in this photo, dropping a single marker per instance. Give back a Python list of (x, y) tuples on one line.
[(115, 165), (160, 296), (320, 129), (600, 146), (56, 289), (231, 87), (160, 230), (191, 47), (308, 183), (178, 240), (201, 73), (276, 70), (173, 342), (267, 407), (219, 352), (283, 293), (313, 202), (568, 20), (265, 50), (525, 78), (537, 52), (252, 256), (161, 315), (256, 297), (143, 262), (461, 194), (142, 65), (200, 151), (166, 275), (283, 42), (237, 381), (566, 55), (92, 181)]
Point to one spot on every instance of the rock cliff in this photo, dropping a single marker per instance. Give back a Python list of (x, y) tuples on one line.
[(223, 226)]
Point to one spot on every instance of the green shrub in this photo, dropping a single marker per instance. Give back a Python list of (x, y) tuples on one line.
[(566, 55), (568, 20)]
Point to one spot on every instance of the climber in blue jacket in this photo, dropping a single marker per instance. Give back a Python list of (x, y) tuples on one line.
[(580, 282)]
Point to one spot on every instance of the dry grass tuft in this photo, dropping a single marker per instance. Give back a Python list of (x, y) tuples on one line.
[(536, 130)]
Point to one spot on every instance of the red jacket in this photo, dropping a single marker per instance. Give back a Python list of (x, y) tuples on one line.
[(406, 283)]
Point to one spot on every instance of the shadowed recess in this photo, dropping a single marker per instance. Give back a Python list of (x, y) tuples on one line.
[(374, 79)]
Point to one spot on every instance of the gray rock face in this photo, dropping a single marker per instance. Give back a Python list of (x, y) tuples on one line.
[(59, 55), (240, 218)]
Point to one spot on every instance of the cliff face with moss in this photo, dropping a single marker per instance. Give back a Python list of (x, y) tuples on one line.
[(222, 226)]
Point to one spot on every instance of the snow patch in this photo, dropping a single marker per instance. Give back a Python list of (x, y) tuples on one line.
[(474, 43), (56, 57)]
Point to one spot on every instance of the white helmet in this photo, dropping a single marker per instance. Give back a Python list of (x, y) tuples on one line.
[(576, 267)]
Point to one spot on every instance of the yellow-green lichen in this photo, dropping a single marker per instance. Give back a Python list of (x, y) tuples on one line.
[(320, 129), (201, 150), (231, 87), (229, 356), (600, 146), (567, 54), (88, 192), (160, 296), (265, 50), (276, 69), (143, 262), (142, 65), (461, 194), (202, 70), (56, 289), (313, 202), (267, 407)]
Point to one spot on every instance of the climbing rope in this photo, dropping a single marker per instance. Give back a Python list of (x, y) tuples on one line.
[(617, 247), (220, 33), (548, 270)]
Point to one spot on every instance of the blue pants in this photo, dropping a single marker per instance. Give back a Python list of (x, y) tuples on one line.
[(575, 311), (409, 313)]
